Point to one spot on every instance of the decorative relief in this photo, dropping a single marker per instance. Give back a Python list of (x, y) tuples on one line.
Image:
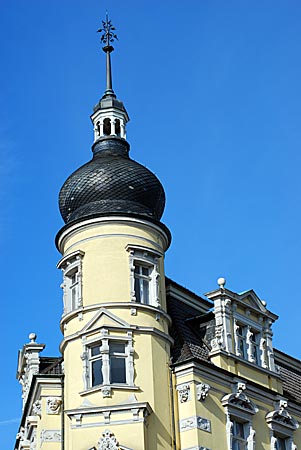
[(281, 417), (53, 405), (195, 422), (197, 448), (202, 391), (108, 441), (238, 399), (184, 392), (106, 391), (50, 436), (37, 408)]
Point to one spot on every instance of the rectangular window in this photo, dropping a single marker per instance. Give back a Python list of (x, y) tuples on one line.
[(116, 364), (142, 276), (239, 436), (255, 347), (241, 336), (96, 365), (280, 444)]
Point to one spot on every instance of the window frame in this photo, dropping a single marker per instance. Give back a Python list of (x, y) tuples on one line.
[(149, 258), (282, 425), (105, 355), (239, 408), (70, 265)]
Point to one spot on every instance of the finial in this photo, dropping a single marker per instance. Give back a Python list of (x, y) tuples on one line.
[(32, 337), (107, 37), (221, 282)]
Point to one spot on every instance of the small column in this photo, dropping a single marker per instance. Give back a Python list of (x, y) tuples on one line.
[(250, 345), (122, 129), (113, 126)]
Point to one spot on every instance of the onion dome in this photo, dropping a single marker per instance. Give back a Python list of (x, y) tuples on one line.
[(111, 183)]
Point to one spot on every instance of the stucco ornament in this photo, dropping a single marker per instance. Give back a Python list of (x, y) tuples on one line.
[(106, 391), (202, 391), (108, 441), (184, 393), (53, 405), (37, 408)]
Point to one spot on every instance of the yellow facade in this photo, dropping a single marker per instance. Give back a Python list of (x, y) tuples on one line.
[(145, 363)]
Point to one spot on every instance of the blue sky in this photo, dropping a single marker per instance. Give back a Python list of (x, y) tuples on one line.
[(213, 91)]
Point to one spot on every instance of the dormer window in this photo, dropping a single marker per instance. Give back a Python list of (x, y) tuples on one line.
[(241, 338), (255, 341), (243, 327)]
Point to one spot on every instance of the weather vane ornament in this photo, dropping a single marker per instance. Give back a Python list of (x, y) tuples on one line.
[(108, 34), (107, 37)]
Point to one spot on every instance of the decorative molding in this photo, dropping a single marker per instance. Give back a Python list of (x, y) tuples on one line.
[(280, 421), (202, 391), (106, 391), (53, 405), (50, 436), (108, 441), (184, 392), (239, 401), (195, 422), (148, 256), (37, 408), (72, 291), (197, 448)]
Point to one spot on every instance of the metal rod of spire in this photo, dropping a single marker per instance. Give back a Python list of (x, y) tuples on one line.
[(107, 37)]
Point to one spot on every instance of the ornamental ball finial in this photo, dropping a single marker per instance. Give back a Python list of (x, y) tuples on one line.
[(221, 282), (32, 337), (264, 303)]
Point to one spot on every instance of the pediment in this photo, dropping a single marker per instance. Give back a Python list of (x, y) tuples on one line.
[(104, 318), (251, 299)]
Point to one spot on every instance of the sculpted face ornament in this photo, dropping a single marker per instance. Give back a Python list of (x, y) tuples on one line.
[(184, 392), (53, 405), (202, 391)]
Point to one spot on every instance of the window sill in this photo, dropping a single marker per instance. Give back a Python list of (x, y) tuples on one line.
[(98, 388)]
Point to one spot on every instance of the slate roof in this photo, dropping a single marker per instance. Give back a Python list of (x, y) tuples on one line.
[(192, 333), (51, 365)]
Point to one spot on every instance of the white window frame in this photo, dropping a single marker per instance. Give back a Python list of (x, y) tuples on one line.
[(71, 265), (239, 408), (145, 257), (282, 425), (104, 347), (246, 339)]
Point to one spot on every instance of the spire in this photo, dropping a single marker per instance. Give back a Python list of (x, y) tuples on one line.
[(107, 37), (109, 116)]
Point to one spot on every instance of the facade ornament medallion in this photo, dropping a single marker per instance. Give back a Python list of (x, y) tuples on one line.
[(53, 405), (108, 441), (184, 392), (202, 391)]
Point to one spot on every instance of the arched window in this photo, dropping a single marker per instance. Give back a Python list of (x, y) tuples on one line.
[(117, 127), (107, 127), (98, 128)]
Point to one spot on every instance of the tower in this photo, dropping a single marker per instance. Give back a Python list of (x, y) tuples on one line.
[(115, 346)]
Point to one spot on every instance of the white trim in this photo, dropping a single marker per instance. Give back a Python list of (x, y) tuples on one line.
[(91, 223)]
